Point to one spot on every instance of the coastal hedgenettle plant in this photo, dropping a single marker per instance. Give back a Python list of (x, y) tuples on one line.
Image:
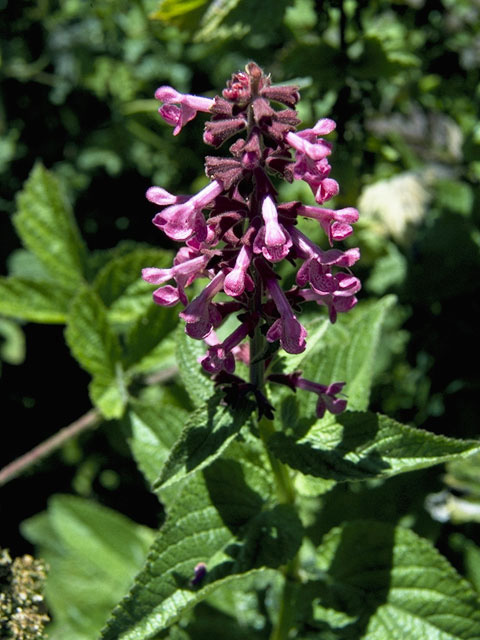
[(236, 232), (281, 511), (248, 482)]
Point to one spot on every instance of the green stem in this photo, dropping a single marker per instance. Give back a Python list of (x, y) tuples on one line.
[(285, 491), (285, 615)]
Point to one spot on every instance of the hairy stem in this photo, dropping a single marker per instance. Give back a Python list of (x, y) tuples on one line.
[(266, 428), (285, 491)]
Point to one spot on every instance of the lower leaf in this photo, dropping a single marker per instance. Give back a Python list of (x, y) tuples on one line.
[(392, 583), (363, 445)]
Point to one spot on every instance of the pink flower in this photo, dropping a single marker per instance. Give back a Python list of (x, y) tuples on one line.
[(162, 197), (327, 400), (308, 145), (335, 291), (310, 251), (180, 108), (272, 239), (181, 221), (238, 279), (287, 328), (201, 315), (187, 266), (335, 223), (220, 356), (311, 164)]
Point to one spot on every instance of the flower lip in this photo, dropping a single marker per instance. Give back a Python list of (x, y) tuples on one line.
[(287, 329), (189, 105)]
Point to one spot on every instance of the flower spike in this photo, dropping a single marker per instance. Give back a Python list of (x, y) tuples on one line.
[(237, 234)]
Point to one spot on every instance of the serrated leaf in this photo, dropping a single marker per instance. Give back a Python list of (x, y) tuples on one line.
[(147, 334), (358, 446), (347, 355), (45, 223), (392, 580), (119, 283), (93, 554), (197, 383), (96, 347), (25, 264), (210, 523), (154, 429), (207, 433), (46, 302), (109, 395)]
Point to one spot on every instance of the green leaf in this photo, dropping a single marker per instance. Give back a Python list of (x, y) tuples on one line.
[(454, 195), (388, 271), (471, 557), (213, 18), (358, 446), (209, 623), (210, 522), (94, 344), (390, 580), (93, 554), (232, 18), (154, 430), (147, 335), (208, 432), (109, 394), (197, 383), (47, 228), (12, 342), (173, 11), (119, 283), (46, 302), (347, 355), (25, 264)]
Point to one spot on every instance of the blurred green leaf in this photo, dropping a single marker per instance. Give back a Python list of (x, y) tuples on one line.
[(46, 225), (454, 195), (93, 554), (12, 342), (388, 271), (34, 301), (180, 13), (471, 557), (96, 347), (119, 283)]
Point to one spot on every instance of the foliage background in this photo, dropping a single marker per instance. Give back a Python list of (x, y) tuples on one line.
[(401, 79)]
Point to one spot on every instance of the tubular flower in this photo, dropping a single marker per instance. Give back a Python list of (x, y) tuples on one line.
[(180, 108), (236, 232)]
